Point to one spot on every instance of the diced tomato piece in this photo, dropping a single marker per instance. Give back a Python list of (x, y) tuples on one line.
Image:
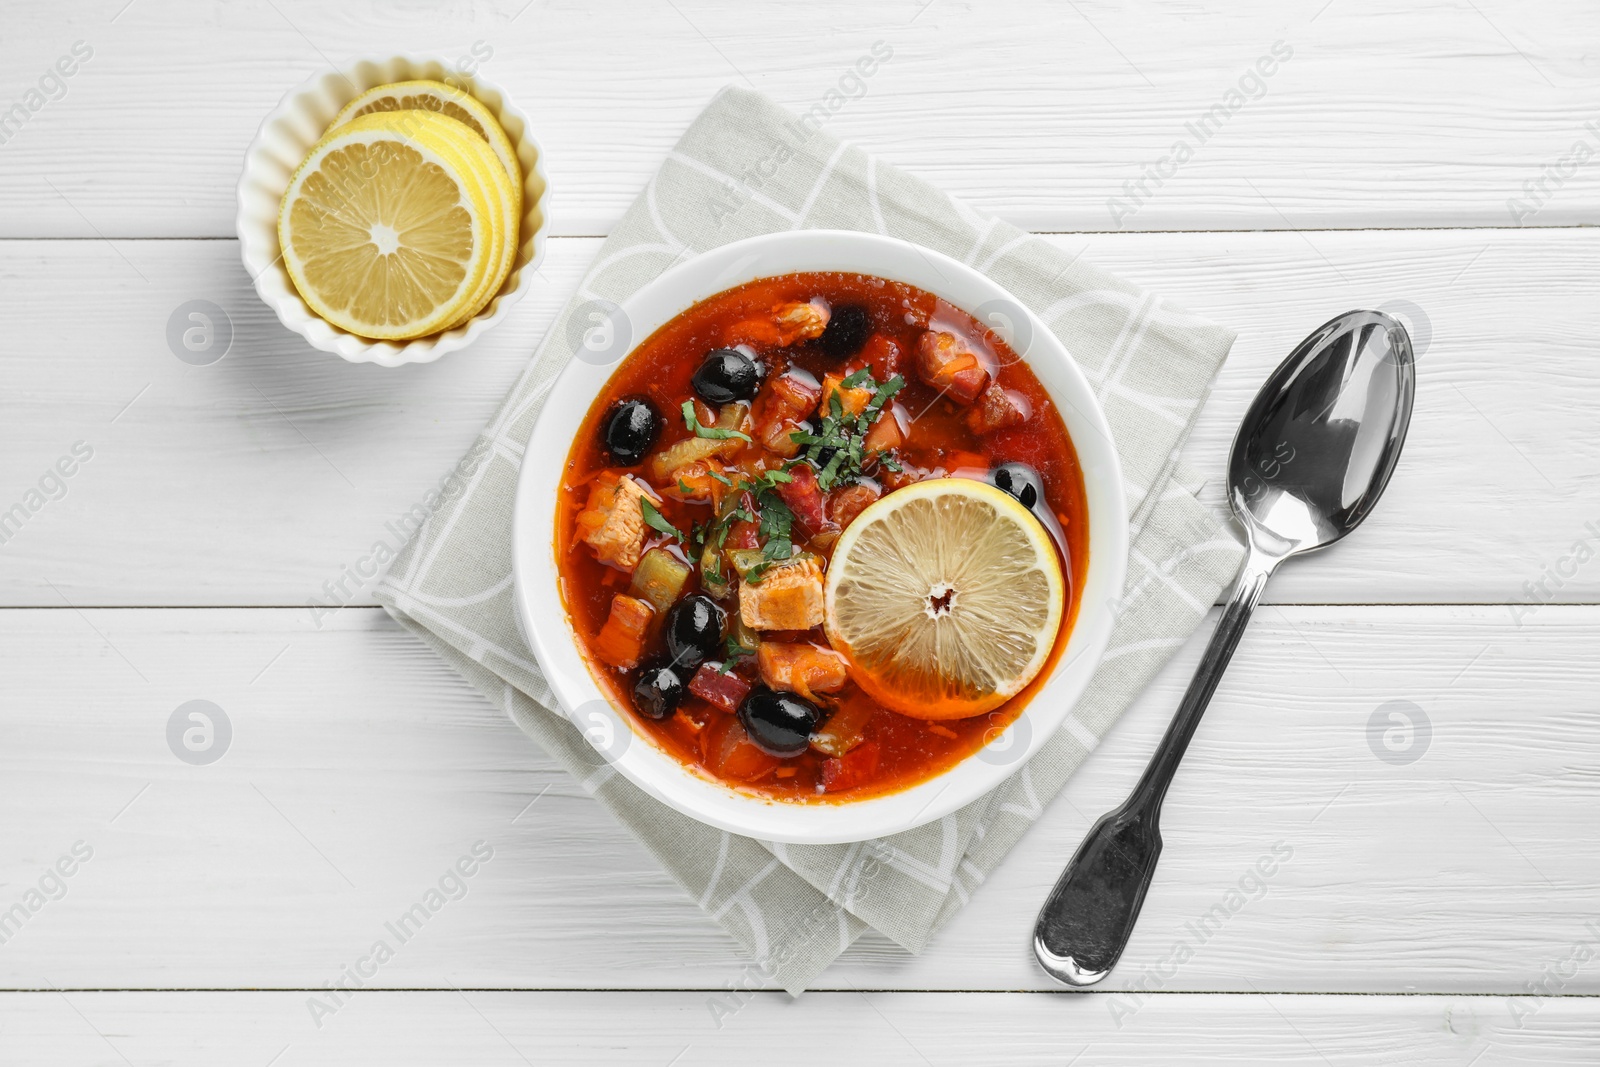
[(945, 362), (997, 409), (881, 355), (854, 768), (620, 642), (725, 691), (743, 535), (852, 401), (847, 503), (956, 459), (801, 668), (804, 498), (888, 432), (728, 752)]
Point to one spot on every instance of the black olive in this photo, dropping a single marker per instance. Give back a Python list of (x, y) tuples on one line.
[(1021, 481), (631, 430), (694, 630), (779, 723), (658, 692), (726, 375), (847, 330)]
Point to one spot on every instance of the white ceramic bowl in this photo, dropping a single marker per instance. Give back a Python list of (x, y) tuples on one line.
[(550, 632), (283, 141)]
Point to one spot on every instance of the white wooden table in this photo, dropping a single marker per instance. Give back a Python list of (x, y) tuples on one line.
[(1443, 910)]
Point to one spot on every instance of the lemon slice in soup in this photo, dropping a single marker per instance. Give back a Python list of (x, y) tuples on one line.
[(945, 597)]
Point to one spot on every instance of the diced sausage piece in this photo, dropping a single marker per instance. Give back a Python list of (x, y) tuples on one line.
[(725, 691), (804, 498), (787, 324), (945, 362), (781, 407), (804, 669), (881, 355), (620, 642), (888, 432), (847, 503), (852, 769), (786, 598), (852, 401), (996, 410), (612, 523)]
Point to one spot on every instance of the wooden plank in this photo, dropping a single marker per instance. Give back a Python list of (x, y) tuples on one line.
[(360, 770), (1039, 113), (260, 478), (403, 1028)]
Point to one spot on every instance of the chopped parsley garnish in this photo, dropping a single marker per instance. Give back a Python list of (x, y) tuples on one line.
[(733, 652), (838, 449), (712, 433), (657, 521)]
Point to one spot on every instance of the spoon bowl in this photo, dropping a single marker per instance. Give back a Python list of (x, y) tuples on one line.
[(1312, 456)]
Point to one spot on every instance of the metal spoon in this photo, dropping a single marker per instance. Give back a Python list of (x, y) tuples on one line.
[(1311, 458)]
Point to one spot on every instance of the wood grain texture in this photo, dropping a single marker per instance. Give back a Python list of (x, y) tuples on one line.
[(361, 769), (406, 1028), (1431, 115), (258, 479)]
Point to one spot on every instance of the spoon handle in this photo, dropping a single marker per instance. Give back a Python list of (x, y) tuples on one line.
[(1087, 919)]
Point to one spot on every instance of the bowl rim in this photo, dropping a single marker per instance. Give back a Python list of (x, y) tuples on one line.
[(547, 626), (258, 235)]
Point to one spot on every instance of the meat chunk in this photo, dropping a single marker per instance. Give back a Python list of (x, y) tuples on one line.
[(620, 642), (788, 323), (786, 598), (612, 523), (945, 362), (799, 668), (780, 409), (724, 691), (997, 409)]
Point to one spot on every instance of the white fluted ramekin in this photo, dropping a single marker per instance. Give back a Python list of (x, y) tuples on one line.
[(283, 141)]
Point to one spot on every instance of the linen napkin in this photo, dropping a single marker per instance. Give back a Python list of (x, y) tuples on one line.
[(748, 167)]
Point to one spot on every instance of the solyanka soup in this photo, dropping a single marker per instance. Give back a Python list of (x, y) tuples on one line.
[(741, 447)]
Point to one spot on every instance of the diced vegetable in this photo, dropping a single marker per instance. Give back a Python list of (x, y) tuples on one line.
[(996, 410), (728, 752), (720, 690), (847, 503), (715, 574), (851, 770), (613, 523), (620, 642), (664, 465), (742, 640), (852, 400), (845, 729), (946, 363), (788, 597), (697, 483), (881, 356), (660, 578), (804, 499), (889, 432), (801, 668)]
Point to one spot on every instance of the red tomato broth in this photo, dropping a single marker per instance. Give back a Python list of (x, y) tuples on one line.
[(909, 750)]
